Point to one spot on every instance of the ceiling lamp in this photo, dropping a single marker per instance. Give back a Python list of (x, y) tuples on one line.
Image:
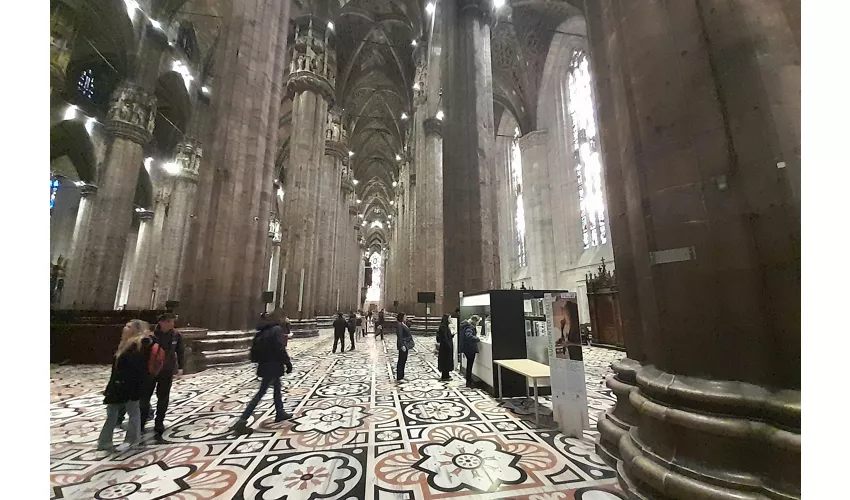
[(430, 8), (355, 182), (440, 115), (71, 112), (397, 157), (331, 25), (392, 202), (414, 43), (404, 116), (205, 90), (172, 168), (156, 24), (90, 125), (416, 86), (358, 202), (395, 183), (350, 154), (498, 4)]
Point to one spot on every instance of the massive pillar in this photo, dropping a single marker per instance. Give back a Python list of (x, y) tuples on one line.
[(344, 221), (123, 292), (140, 273), (311, 79), (175, 233), (234, 190), (537, 199), (130, 122), (73, 270), (63, 217), (329, 193), (699, 120), (470, 242), (429, 215), (144, 280)]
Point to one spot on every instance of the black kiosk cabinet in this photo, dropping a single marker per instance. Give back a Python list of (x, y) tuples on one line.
[(513, 326)]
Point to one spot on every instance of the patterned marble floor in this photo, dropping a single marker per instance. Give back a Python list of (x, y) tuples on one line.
[(355, 435)]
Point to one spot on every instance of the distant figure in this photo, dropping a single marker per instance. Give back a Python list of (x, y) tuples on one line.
[(404, 343), (379, 324), (269, 352), (360, 332), (126, 384), (445, 363), (352, 327), (522, 285), (470, 345), (339, 332)]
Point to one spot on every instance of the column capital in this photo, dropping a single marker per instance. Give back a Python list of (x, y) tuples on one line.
[(479, 9), (534, 139), (132, 113), (420, 79), (144, 214), (433, 126), (312, 67), (87, 190), (337, 149), (188, 157)]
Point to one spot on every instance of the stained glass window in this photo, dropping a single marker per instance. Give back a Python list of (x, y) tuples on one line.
[(588, 160), (86, 84), (516, 188), (54, 186), (373, 293)]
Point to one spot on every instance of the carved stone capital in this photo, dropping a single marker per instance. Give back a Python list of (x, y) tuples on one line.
[(433, 126), (479, 9), (336, 149), (132, 113), (189, 154), (162, 194), (87, 190), (536, 138), (334, 130), (306, 81), (145, 215)]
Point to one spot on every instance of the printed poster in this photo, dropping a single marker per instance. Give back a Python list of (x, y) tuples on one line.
[(569, 391)]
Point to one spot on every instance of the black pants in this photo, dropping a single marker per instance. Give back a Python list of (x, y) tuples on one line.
[(380, 329), (470, 360), (339, 337), (351, 335), (287, 362), (446, 375), (162, 384), (399, 367)]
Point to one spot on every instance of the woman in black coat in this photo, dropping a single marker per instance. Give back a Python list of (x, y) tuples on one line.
[(445, 363), (124, 390)]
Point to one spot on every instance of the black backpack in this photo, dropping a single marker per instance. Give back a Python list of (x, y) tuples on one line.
[(264, 347)]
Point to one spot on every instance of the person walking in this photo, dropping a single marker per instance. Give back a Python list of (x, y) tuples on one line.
[(352, 327), (339, 332), (359, 316), (126, 384), (269, 352), (470, 345), (445, 363), (404, 343), (172, 343), (379, 325)]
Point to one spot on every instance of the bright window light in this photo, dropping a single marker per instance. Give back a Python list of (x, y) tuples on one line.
[(205, 90), (397, 157), (90, 125), (330, 26), (404, 116), (148, 163), (71, 112), (392, 202), (172, 168), (430, 8), (132, 5), (355, 181), (440, 115), (156, 24), (280, 193), (350, 154), (183, 70), (358, 201), (377, 224), (498, 4), (395, 183), (416, 86)]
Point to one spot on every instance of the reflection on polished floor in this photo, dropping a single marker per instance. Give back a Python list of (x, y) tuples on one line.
[(355, 435)]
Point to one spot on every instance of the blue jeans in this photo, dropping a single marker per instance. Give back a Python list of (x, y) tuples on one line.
[(264, 386), (134, 430)]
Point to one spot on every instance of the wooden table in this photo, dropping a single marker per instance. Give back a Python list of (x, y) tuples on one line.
[(531, 370)]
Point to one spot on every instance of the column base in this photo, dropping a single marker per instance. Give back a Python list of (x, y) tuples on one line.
[(706, 439), (304, 328), (616, 422)]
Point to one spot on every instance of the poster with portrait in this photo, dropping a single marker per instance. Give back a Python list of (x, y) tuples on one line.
[(569, 392)]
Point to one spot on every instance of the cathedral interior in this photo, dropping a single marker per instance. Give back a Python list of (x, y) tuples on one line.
[(220, 159)]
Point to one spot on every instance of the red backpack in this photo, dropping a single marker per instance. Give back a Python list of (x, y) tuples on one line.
[(156, 359)]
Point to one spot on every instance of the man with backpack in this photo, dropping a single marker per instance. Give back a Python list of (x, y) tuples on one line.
[(171, 342), (352, 326), (269, 352)]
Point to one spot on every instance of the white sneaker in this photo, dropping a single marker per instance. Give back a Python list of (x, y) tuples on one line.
[(123, 447)]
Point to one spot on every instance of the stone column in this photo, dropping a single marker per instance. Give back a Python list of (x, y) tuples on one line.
[(145, 278), (311, 79), (342, 233), (130, 122), (63, 218), (140, 284), (123, 292), (537, 198), (699, 127), (328, 194), (274, 270), (468, 148), (235, 188), (174, 237), (76, 248), (429, 214)]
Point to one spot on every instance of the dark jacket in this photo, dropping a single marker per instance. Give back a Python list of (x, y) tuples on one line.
[(352, 324), (129, 373), (339, 326), (172, 343), (445, 363), (403, 337), (272, 363), (470, 338), (380, 320)]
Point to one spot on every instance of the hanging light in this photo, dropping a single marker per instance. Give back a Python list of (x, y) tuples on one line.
[(71, 112), (156, 24), (416, 86), (404, 116), (414, 43), (392, 202), (397, 157), (350, 154), (355, 182), (440, 115), (330, 25), (132, 5), (395, 183), (498, 4), (430, 8)]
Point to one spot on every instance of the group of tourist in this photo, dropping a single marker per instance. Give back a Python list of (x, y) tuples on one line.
[(148, 361)]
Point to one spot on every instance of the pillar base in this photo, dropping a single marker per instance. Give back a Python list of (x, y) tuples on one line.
[(304, 328), (705, 439), (616, 422)]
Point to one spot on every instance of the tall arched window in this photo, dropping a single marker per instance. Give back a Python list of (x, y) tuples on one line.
[(516, 189), (586, 150), (373, 293)]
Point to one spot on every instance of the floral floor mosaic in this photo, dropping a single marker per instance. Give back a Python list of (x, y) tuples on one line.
[(355, 436)]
